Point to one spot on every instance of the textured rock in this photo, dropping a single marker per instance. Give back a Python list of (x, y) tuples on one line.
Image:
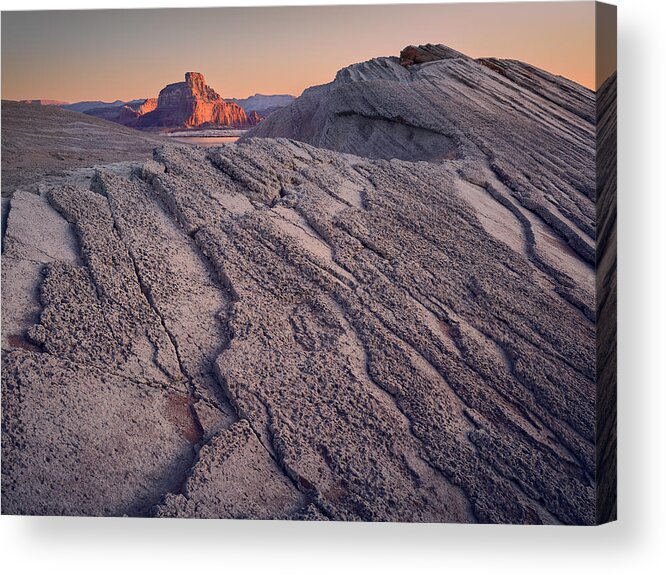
[(236, 479), (390, 364), (607, 300), (191, 104), (36, 235), (523, 136), (429, 53), (275, 330), (88, 443), (373, 390), (555, 89)]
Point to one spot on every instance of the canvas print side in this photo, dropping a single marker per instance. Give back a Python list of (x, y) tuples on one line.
[(606, 49)]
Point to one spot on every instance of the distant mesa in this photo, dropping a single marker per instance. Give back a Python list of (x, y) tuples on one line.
[(87, 105), (264, 104), (182, 105), (59, 103)]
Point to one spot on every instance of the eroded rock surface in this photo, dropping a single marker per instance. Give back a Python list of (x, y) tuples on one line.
[(527, 139), (276, 330), (388, 358)]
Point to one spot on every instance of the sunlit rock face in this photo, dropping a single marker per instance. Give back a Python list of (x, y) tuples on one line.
[(148, 106), (253, 118), (192, 104)]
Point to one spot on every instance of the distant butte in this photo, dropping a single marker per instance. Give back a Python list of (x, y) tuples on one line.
[(193, 104)]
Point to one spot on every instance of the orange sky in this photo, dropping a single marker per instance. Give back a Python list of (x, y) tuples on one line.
[(126, 54)]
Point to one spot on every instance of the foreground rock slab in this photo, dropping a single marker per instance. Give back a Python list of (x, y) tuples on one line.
[(273, 330)]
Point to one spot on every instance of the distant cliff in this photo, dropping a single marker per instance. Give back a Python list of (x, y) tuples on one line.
[(192, 104), (57, 103)]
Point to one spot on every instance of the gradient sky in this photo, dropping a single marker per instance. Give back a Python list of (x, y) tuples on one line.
[(126, 54)]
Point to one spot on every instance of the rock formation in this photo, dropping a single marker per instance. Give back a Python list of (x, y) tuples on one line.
[(192, 104), (126, 115), (57, 103), (42, 142), (499, 125), (263, 104), (272, 329), (87, 105), (253, 118), (148, 105), (188, 104), (129, 113), (606, 122), (428, 53)]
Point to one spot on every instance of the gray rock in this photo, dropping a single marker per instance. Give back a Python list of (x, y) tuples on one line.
[(235, 478), (39, 142), (528, 134), (79, 440)]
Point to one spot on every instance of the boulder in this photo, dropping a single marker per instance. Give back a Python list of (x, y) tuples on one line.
[(427, 53)]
